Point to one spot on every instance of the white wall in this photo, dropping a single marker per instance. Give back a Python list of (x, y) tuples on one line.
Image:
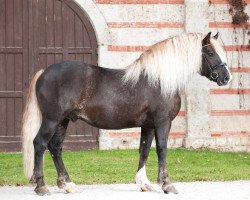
[(212, 116)]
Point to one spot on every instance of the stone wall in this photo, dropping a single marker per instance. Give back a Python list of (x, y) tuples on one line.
[(210, 116)]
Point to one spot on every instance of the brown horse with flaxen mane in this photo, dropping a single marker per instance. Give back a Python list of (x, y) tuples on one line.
[(145, 94)]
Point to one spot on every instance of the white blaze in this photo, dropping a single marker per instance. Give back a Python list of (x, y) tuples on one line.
[(222, 54)]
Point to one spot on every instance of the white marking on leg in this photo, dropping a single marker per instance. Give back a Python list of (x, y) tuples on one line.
[(70, 187), (142, 180)]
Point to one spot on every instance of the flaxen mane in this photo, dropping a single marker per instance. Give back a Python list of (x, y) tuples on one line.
[(169, 63)]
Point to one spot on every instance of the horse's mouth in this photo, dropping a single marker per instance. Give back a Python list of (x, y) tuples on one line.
[(219, 83)]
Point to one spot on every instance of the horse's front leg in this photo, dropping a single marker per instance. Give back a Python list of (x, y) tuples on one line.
[(141, 179), (161, 136)]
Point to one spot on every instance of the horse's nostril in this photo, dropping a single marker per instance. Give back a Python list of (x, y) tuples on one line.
[(226, 79)]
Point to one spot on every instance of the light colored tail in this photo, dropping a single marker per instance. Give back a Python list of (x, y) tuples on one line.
[(32, 119)]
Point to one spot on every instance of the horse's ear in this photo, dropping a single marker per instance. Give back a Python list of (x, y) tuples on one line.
[(206, 40), (216, 36)]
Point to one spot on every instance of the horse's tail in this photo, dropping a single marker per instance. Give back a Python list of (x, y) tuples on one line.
[(32, 119)]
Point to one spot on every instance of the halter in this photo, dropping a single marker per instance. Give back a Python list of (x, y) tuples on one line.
[(213, 75)]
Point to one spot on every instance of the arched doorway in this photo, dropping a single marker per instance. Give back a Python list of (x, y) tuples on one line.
[(35, 34)]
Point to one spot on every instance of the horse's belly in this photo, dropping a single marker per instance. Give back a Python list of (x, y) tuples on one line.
[(113, 120)]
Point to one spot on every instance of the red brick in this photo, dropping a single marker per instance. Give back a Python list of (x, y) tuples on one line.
[(230, 134), (227, 25), (240, 69), (120, 134), (145, 25), (177, 135), (223, 1), (229, 112), (237, 48), (229, 91), (139, 1)]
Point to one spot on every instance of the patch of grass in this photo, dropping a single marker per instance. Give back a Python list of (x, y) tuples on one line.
[(119, 166)]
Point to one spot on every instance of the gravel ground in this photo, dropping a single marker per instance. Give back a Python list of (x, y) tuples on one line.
[(237, 190)]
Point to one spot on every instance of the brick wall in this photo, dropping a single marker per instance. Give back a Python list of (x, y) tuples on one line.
[(230, 106), (210, 116)]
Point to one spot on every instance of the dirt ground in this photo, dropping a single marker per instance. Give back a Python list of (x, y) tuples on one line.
[(238, 190)]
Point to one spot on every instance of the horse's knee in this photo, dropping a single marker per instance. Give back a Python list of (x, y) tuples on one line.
[(161, 146)]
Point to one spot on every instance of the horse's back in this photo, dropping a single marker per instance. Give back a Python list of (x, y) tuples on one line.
[(64, 70), (64, 86)]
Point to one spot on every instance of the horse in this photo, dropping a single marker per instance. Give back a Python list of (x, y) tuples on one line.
[(145, 94)]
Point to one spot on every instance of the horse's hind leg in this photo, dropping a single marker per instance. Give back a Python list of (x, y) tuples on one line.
[(147, 136), (40, 142), (55, 148)]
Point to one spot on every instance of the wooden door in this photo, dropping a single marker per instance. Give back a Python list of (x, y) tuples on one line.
[(13, 70), (35, 35)]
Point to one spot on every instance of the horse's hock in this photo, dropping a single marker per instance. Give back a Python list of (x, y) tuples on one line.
[(34, 34)]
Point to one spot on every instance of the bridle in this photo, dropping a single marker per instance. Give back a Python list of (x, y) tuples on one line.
[(213, 74)]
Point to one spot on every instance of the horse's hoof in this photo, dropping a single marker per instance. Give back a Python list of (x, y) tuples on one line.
[(147, 188), (42, 191), (70, 187), (169, 189)]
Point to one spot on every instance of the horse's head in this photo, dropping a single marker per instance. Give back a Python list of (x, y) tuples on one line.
[(214, 65)]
